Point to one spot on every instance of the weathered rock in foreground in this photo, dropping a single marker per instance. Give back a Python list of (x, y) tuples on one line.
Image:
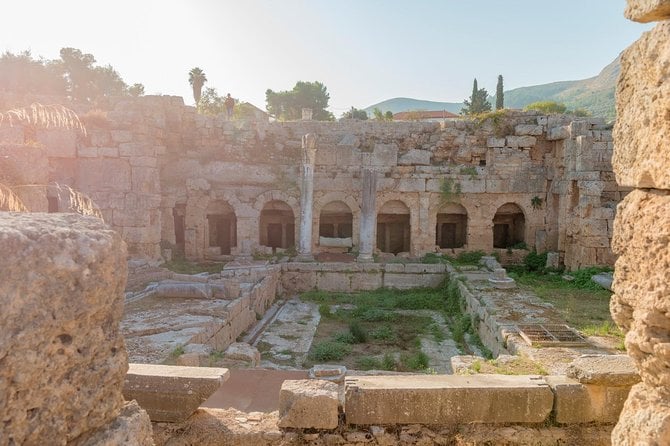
[(648, 10), (308, 404), (63, 358), (131, 428), (171, 393)]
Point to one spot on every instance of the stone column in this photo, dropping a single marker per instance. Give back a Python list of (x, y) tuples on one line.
[(641, 160), (306, 196), (368, 214)]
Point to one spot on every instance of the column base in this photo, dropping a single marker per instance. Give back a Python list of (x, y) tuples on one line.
[(365, 258), (304, 258)]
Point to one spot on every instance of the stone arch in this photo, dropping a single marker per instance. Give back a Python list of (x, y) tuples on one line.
[(394, 227), (451, 226), (277, 225), (221, 228), (336, 220), (509, 226)]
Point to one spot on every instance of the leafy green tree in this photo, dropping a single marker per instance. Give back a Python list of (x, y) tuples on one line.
[(78, 72), (355, 113), (500, 94), (381, 116), (22, 74), (288, 105), (108, 82), (478, 101), (548, 107), (211, 103), (197, 78), (136, 90), (388, 115)]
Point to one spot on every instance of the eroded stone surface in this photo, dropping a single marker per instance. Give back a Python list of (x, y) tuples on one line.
[(62, 355), (648, 10), (642, 130), (606, 370), (308, 404), (131, 428), (645, 418)]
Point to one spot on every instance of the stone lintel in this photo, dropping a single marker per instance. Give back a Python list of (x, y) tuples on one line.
[(447, 399), (171, 393)]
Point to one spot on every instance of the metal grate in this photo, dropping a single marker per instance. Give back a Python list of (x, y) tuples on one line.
[(551, 335)]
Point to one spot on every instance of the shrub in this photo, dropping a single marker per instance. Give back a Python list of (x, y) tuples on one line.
[(357, 333), (344, 337), (329, 351), (534, 261), (416, 361), (470, 257), (549, 107), (383, 333)]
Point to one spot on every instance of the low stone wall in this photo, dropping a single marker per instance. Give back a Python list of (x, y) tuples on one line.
[(351, 277)]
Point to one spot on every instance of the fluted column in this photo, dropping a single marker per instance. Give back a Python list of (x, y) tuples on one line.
[(307, 196)]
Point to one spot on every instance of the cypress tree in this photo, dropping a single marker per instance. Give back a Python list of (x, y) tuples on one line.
[(500, 96)]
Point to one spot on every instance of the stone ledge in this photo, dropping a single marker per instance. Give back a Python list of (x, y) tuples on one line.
[(447, 399), (171, 393), (606, 370), (308, 404)]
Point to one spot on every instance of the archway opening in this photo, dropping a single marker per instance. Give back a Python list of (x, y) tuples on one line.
[(509, 226), (452, 226), (221, 227), (277, 225), (393, 228), (336, 220)]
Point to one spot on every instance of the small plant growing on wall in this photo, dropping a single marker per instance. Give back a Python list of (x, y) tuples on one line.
[(469, 170), (536, 202), (450, 190)]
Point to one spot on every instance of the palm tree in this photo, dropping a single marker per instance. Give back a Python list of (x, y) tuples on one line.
[(197, 78)]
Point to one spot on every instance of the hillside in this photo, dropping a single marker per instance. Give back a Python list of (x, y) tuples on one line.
[(595, 94)]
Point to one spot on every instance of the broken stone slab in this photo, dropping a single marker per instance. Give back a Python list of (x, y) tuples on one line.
[(606, 370), (604, 280), (184, 290), (308, 404), (171, 393), (447, 399), (328, 372), (241, 351)]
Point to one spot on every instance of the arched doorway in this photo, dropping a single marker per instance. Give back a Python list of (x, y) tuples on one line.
[(452, 226), (277, 225), (509, 226), (221, 226), (393, 227), (336, 220)]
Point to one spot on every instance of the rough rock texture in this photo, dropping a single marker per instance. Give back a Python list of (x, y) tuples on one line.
[(642, 131), (131, 428), (648, 10), (308, 404), (641, 303), (606, 370), (62, 357)]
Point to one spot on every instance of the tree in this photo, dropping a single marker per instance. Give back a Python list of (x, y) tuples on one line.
[(78, 72), (22, 74), (355, 113), (500, 95), (478, 102), (136, 90), (108, 82), (381, 116), (549, 107), (197, 78), (288, 105), (211, 103)]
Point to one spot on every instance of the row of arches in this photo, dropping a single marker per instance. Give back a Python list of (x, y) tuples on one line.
[(336, 221)]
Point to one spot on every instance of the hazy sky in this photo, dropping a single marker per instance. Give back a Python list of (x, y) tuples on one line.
[(364, 51)]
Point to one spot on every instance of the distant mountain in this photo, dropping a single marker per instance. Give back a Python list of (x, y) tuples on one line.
[(595, 94), (397, 105)]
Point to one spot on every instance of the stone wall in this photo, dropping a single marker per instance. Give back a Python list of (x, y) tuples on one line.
[(162, 173), (642, 227), (62, 356)]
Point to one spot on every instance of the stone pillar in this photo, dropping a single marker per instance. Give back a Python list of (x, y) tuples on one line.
[(641, 303), (368, 214), (307, 196)]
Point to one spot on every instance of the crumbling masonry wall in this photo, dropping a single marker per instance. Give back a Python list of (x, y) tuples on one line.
[(642, 227), (164, 176)]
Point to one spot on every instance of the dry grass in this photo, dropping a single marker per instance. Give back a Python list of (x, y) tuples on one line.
[(43, 116), (9, 201)]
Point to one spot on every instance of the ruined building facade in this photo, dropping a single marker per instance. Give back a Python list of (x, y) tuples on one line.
[(166, 177)]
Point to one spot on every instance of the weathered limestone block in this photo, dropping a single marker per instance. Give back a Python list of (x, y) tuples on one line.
[(645, 418), (62, 278), (576, 403), (58, 142), (241, 351), (521, 141), (492, 141), (131, 428), (647, 10), (557, 133), (528, 129), (447, 399), (171, 393), (308, 404), (98, 174), (642, 129), (415, 157), (641, 303), (604, 370)]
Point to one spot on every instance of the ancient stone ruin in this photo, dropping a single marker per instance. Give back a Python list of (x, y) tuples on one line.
[(167, 182)]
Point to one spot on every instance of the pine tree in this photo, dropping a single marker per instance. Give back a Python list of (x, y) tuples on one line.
[(500, 95), (478, 102)]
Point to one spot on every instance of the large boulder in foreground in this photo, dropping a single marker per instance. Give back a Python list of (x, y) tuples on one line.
[(62, 357)]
